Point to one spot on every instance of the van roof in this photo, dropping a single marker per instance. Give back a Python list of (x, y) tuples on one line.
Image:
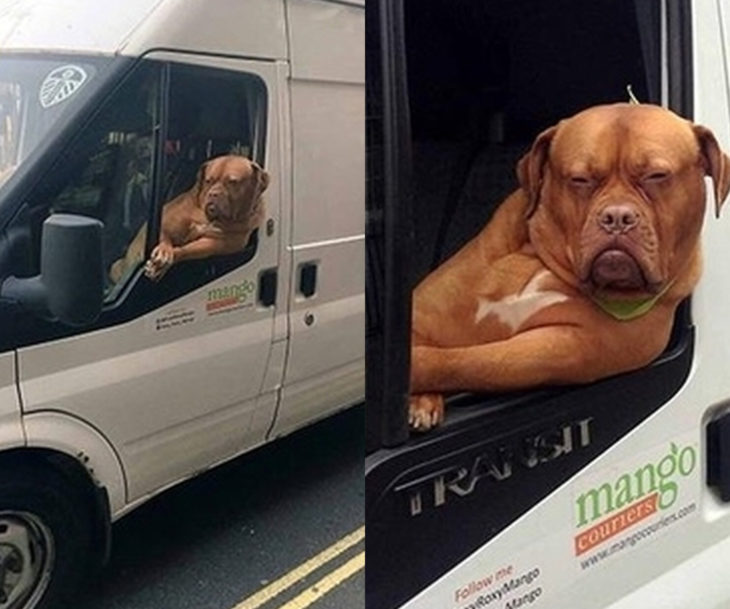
[(254, 28)]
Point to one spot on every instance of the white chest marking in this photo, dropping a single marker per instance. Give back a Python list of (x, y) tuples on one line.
[(516, 309)]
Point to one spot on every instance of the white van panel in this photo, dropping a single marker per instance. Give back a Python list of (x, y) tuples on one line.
[(11, 429), (66, 434), (328, 124), (254, 28), (326, 365), (169, 408), (319, 396), (326, 358), (707, 572), (72, 25), (327, 40)]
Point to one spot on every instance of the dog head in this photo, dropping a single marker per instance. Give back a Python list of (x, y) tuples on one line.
[(616, 197), (228, 188)]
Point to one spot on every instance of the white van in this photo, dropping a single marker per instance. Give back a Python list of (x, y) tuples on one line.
[(612, 494), (113, 392)]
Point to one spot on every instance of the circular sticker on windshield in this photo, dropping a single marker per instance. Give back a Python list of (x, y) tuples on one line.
[(61, 84)]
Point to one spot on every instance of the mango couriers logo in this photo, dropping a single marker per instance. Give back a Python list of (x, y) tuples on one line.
[(632, 497), (230, 296)]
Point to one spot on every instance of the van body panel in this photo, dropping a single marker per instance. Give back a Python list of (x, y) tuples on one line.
[(75, 438), (328, 139), (333, 309), (11, 427), (69, 25), (325, 365), (707, 571), (255, 28), (313, 398), (327, 41), (168, 406)]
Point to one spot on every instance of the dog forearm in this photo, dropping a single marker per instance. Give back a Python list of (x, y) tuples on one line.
[(203, 248), (539, 357)]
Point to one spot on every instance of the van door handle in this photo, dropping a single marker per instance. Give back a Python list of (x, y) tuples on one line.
[(307, 282), (267, 287), (718, 455)]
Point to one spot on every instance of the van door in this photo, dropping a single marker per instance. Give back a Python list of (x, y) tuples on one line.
[(325, 365), (173, 371)]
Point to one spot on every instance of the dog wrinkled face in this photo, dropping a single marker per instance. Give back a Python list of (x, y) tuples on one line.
[(229, 187), (625, 185)]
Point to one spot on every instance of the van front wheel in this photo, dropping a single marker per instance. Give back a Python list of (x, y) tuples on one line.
[(44, 539)]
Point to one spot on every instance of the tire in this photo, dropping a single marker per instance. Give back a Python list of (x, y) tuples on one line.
[(45, 536)]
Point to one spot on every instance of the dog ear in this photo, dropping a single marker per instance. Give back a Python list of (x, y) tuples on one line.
[(717, 164), (530, 168), (261, 180), (200, 178), (257, 184)]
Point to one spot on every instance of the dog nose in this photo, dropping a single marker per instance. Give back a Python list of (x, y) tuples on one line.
[(619, 218)]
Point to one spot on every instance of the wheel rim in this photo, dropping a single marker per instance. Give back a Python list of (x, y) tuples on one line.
[(26, 559)]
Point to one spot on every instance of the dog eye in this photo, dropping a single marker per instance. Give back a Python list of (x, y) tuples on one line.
[(656, 176), (581, 181)]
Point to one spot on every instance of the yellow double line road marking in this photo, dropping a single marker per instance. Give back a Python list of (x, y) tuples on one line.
[(324, 585), (319, 589)]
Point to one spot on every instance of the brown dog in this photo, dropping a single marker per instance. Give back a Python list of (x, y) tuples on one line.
[(215, 217), (578, 274)]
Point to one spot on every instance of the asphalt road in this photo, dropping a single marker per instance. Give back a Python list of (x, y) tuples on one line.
[(249, 528)]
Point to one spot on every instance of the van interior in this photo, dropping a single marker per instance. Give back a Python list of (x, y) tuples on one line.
[(485, 78)]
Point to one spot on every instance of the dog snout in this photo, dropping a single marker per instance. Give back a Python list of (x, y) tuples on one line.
[(618, 218)]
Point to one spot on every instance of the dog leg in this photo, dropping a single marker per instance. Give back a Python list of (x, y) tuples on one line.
[(542, 356)]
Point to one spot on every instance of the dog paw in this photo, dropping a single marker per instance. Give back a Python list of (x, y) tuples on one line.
[(160, 261), (425, 411)]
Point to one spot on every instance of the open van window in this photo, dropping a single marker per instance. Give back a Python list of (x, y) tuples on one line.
[(142, 147), (457, 93)]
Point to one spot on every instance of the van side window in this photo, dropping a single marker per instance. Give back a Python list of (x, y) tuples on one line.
[(212, 112), (109, 170), (137, 148)]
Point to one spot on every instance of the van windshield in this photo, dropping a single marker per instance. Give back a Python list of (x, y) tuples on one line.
[(37, 94)]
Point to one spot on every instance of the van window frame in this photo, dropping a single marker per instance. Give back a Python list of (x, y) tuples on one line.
[(135, 297)]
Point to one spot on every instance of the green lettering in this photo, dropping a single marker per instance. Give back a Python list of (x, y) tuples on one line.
[(641, 477), (623, 491), (597, 510)]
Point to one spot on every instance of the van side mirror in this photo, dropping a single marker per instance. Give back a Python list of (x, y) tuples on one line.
[(70, 287)]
